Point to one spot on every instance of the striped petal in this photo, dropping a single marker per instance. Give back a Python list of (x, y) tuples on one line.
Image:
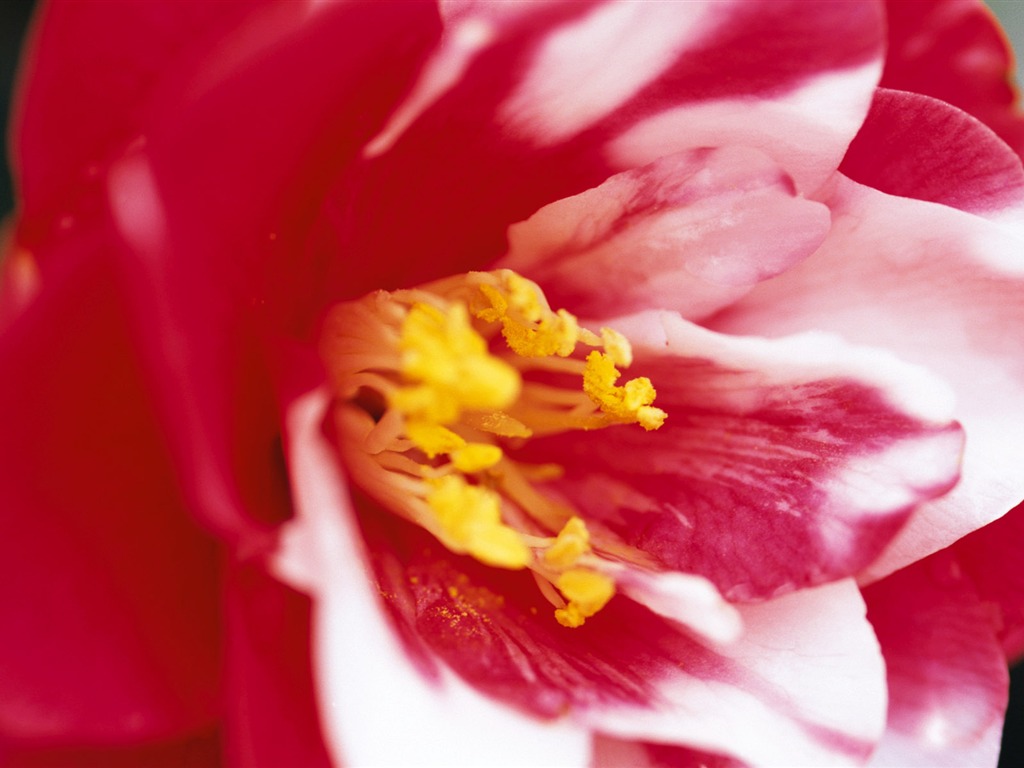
[(368, 683), (940, 288), (946, 671), (782, 463)]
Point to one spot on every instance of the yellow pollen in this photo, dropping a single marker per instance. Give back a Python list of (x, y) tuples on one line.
[(433, 439), (572, 542), (450, 360), (628, 403), (530, 328), (476, 457), (587, 592), (471, 517)]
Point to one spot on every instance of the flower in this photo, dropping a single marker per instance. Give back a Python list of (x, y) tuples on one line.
[(481, 382)]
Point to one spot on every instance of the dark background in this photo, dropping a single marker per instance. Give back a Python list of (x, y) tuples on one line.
[(14, 17)]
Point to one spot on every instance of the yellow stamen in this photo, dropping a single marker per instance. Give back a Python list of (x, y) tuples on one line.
[(628, 403), (587, 592), (572, 542), (471, 517), (476, 457), (432, 407)]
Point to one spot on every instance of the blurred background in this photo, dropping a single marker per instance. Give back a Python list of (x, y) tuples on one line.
[(14, 18)]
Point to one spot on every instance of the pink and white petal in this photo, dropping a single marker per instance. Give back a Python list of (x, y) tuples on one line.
[(616, 753), (795, 93), (991, 558), (530, 120), (803, 686), (691, 232), (946, 671), (942, 289), (916, 146), (955, 51), (635, 675), (367, 681), (783, 463)]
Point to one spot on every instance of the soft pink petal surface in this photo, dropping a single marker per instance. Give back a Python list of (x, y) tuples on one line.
[(691, 232), (939, 288)]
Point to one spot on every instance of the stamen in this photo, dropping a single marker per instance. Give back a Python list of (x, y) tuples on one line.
[(432, 402)]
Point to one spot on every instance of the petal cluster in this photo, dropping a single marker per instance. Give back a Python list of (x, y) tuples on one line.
[(290, 479)]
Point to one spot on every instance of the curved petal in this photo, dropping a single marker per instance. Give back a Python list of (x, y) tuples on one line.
[(782, 463), (540, 113), (691, 232), (634, 675), (955, 51), (186, 200), (771, 698), (946, 672), (367, 681), (93, 66), (919, 147), (109, 591), (271, 716), (991, 558), (942, 289)]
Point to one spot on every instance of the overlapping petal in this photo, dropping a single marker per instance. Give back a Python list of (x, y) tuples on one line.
[(940, 288), (955, 51), (946, 671), (915, 146), (628, 672), (782, 464), (691, 232)]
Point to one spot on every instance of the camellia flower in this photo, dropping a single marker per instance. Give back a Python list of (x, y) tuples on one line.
[(556, 383)]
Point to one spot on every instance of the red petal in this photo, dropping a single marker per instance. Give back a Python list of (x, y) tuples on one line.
[(991, 557), (94, 66), (110, 594), (201, 751), (271, 709), (915, 146), (955, 51), (946, 671), (782, 463), (381, 705)]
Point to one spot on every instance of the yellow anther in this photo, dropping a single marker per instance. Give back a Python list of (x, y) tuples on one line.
[(476, 457), (470, 516), (587, 592), (433, 439), (450, 360), (628, 403), (617, 347), (572, 542), (529, 326)]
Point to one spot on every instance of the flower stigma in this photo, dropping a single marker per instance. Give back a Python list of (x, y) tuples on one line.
[(435, 389)]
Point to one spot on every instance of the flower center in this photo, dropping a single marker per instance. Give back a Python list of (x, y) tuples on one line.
[(436, 386)]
